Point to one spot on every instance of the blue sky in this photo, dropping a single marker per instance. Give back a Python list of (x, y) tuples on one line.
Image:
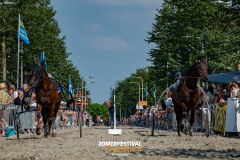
[(106, 38)]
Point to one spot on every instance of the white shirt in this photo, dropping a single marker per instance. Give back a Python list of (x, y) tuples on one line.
[(169, 102)]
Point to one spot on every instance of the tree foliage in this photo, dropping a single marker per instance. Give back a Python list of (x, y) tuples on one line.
[(44, 35), (184, 31), (96, 109)]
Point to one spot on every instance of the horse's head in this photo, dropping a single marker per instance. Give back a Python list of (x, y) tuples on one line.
[(37, 72), (202, 69)]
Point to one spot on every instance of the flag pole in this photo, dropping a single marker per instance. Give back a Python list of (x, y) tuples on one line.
[(21, 50), (69, 97), (18, 50)]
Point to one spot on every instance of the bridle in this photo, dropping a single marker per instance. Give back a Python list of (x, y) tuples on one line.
[(194, 77), (39, 77)]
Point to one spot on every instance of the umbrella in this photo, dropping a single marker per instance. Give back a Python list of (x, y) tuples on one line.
[(224, 77)]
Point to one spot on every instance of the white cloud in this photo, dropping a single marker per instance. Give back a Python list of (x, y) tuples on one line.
[(93, 27), (107, 43)]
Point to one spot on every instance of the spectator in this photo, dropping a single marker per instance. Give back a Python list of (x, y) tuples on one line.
[(238, 67), (25, 89), (110, 112), (4, 99), (222, 98), (199, 112), (63, 117), (106, 120), (11, 93), (27, 94), (238, 94), (87, 119), (15, 93), (210, 100), (217, 90), (32, 102), (169, 109), (6, 85), (98, 120), (90, 121), (209, 93), (233, 90), (18, 100)]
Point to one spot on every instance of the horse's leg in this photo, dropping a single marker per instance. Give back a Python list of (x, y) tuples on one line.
[(54, 129), (179, 118), (51, 121), (191, 121), (39, 119), (45, 121)]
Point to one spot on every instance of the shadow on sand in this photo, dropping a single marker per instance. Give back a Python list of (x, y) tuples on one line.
[(195, 153)]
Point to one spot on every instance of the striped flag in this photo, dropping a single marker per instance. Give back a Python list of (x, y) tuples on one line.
[(154, 90), (22, 31), (42, 59), (70, 85)]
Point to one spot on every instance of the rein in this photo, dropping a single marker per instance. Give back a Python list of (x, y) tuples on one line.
[(37, 83), (187, 89), (198, 77), (192, 77)]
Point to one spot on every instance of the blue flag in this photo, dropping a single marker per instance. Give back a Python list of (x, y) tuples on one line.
[(42, 59), (22, 31), (70, 87)]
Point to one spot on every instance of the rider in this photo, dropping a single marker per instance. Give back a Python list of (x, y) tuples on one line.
[(177, 76), (176, 80)]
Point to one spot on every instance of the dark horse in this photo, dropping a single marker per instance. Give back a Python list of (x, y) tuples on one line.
[(186, 93), (48, 99)]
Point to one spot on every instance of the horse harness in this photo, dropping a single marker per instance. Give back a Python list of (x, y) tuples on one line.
[(37, 83)]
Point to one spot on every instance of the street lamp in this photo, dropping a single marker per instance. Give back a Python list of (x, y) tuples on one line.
[(85, 89), (139, 90), (86, 93), (142, 86)]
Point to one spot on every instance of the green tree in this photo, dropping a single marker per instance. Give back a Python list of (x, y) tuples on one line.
[(183, 32), (44, 35), (96, 109), (186, 30)]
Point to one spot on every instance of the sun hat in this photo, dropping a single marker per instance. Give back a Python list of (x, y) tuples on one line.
[(2, 86)]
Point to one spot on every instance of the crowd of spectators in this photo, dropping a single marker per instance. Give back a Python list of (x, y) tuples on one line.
[(217, 94), (8, 95), (165, 118), (22, 96)]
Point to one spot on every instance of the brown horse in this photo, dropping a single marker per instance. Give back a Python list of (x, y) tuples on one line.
[(48, 99), (186, 93)]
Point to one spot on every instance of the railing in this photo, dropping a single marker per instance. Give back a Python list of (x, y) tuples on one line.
[(169, 121), (12, 114)]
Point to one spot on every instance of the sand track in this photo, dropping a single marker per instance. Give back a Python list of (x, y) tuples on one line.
[(164, 145)]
